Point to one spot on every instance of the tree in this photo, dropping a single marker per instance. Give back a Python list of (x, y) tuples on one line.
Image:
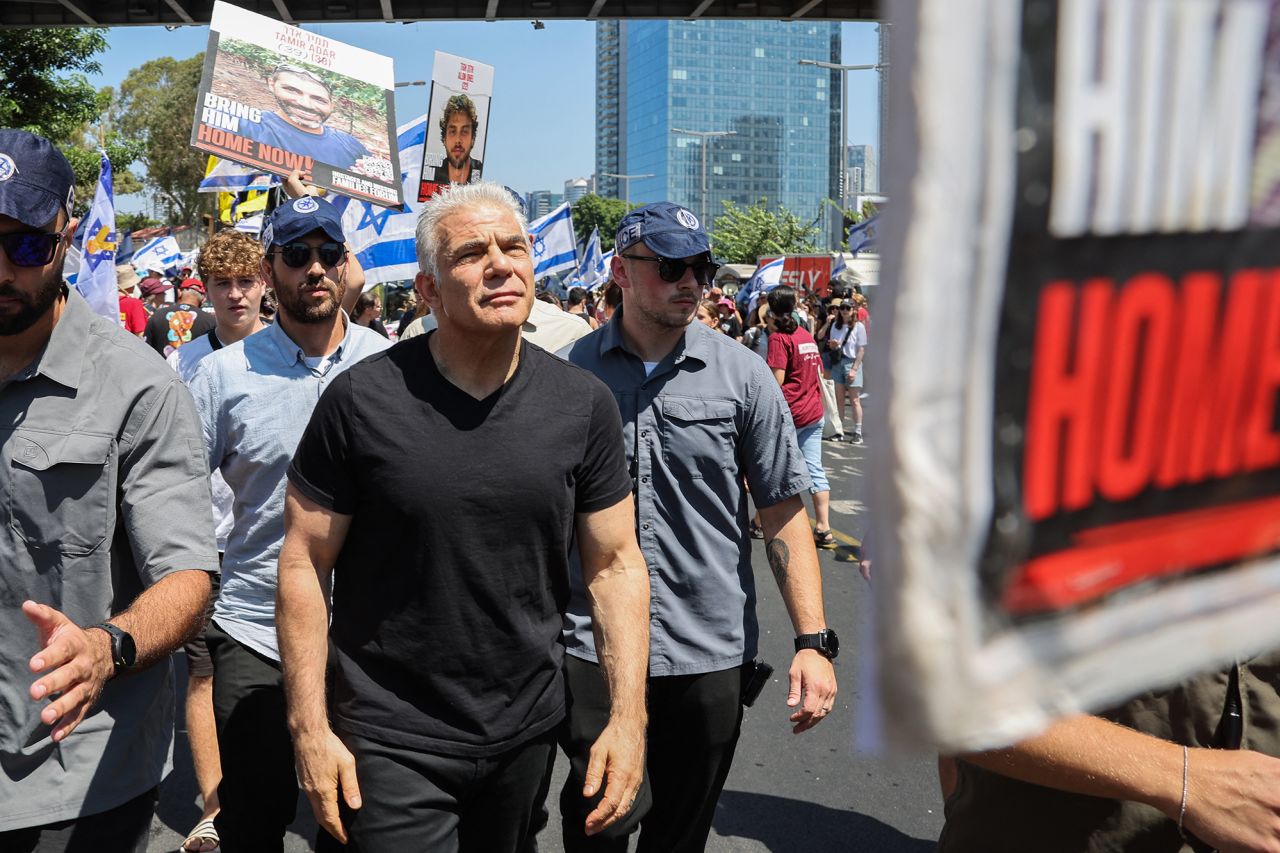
[(127, 223), (156, 104), (86, 163), (593, 211), (36, 94), (743, 235)]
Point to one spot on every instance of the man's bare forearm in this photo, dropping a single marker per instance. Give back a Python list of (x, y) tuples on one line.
[(1090, 755), (302, 629), (794, 562), (619, 594), (166, 614)]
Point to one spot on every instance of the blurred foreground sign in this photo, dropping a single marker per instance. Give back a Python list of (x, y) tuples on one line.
[(1080, 477)]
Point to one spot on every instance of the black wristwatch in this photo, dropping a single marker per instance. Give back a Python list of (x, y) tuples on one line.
[(124, 653), (825, 642)]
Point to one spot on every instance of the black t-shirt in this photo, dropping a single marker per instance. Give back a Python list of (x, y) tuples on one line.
[(730, 326), (175, 325), (449, 590)]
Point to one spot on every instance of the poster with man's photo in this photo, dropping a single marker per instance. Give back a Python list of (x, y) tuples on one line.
[(457, 123), (279, 98)]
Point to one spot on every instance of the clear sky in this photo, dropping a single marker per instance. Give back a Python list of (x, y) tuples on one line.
[(543, 113)]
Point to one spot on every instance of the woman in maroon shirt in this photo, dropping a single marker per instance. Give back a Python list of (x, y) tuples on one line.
[(797, 365)]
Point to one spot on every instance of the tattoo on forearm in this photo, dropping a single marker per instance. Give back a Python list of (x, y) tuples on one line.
[(779, 558)]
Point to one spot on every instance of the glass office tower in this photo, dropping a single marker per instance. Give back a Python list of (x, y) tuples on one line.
[(716, 75)]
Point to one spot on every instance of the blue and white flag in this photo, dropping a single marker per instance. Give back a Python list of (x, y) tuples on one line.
[(96, 281), (592, 272), (159, 254), (71, 265), (223, 176), (553, 243), (862, 237), (382, 237), (765, 278)]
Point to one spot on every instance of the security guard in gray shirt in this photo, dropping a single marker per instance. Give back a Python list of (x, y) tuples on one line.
[(99, 446), (700, 412)]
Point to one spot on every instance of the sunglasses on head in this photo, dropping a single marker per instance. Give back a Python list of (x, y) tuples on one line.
[(672, 270), (298, 255), (30, 248)]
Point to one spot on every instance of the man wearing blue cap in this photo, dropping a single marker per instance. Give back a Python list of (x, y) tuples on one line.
[(95, 579), (254, 398), (700, 413)]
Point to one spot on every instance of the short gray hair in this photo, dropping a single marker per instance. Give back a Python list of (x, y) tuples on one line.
[(454, 199)]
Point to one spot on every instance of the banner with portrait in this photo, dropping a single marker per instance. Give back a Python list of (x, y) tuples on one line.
[(457, 123), (1077, 470), (279, 98)]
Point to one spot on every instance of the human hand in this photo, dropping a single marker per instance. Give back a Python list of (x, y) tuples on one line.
[(864, 569), (1233, 800), (76, 664), (295, 185), (813, 689), (618, 756), (325, 766)]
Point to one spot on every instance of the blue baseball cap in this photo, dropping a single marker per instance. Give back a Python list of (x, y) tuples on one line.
[(36, 181), (299, 218), (670, 230)]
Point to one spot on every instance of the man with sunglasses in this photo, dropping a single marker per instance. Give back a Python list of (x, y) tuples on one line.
[(700, 413), (95, 579), (255, 397)]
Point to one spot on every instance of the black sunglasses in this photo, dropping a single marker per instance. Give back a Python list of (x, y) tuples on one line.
[(30, 248), (672, 270), (298, 255)]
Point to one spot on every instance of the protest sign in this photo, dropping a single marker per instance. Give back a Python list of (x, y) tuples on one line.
[(457, 123), (279, 98), (1077, 470)]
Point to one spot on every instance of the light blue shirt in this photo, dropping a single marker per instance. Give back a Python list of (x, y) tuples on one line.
[(255, 398)]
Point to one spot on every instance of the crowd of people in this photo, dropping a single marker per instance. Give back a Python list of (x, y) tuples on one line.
[(408, 638)]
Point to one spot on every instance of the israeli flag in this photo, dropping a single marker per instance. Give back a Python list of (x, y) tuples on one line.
[(592, 272), (765, 278), (96, 281), (554, 246), (159, 253), (71, 266), (382, 237), (862, 237), (223, 176)]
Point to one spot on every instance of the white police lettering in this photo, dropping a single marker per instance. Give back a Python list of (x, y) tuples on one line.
[(8, 168), (687, 219), (268, 233), (630, 235), (306, 204)]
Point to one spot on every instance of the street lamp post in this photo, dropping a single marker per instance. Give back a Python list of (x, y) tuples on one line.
[(844, 117), (627, 178), (703, 136)]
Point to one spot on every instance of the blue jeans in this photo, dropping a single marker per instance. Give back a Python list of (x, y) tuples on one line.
[(810, 440)]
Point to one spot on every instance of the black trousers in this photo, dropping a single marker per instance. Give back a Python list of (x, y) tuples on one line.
[(259, 788), (694, 723), (123, 829), (415, 800)]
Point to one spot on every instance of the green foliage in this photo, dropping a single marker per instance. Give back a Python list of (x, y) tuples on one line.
[(35, 93), (127, 223), (743, 235), (155, 108), (86, 163), (593, 211), (357, 92)]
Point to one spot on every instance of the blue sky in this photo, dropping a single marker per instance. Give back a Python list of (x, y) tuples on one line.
[(544, 88)]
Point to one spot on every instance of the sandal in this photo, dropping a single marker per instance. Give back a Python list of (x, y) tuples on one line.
[(204, 832), (824, 539), (756, 531)]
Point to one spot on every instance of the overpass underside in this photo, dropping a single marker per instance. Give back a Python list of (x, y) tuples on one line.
[(123, 13)]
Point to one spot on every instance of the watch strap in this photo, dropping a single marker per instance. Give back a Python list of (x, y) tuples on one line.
[(116, 635)]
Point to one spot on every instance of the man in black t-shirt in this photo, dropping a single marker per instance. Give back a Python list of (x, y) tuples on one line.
[(170, 328), (482, 458)]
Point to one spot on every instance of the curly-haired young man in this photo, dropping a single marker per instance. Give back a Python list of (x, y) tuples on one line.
[(458, 129)]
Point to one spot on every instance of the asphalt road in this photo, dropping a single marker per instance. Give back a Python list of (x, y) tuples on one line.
[(786, 792)]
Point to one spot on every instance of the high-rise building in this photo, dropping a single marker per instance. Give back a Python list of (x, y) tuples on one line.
[(719, 75), (538, 203), (863, 159), (576, 188)]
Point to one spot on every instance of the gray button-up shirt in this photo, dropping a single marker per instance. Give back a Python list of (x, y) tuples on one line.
[(103, 491), (709, 414), (255, 398)]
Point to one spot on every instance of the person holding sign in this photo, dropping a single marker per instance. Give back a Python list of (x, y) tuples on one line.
[(458, 128)]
